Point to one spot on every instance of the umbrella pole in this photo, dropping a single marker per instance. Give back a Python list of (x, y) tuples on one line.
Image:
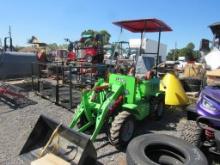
[(158, 51)]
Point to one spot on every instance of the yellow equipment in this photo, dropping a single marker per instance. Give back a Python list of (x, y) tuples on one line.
[(174, 92)]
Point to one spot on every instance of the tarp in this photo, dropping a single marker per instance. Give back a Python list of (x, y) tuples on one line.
[(144, 25), (16, 64), (144, 64), (212, 59)]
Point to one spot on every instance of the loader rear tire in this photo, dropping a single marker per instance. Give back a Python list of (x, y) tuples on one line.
[(122, 129), (157, 107), (159, 111)]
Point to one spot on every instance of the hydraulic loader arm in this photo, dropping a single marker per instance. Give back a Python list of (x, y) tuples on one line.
[(96, 113), (85, 108), (104, 109)]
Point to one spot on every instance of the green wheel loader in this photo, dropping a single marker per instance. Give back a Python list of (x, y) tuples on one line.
[(116, 105)]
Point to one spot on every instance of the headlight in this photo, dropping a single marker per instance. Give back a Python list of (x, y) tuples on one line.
[(206, 104)]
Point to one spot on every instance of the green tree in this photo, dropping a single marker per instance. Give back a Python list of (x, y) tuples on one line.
[(188, 52), (173, 54), (106, 36), (104, 33), (190, 46), (63, 46), (52, 46)]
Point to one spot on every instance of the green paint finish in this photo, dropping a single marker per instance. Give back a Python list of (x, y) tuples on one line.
[(128, 83), (95, 105), (129, 106), (145, 88), (143, 110)]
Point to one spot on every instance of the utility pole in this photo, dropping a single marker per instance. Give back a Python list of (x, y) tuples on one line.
[(175, 51), (6, 47), (9, 31)]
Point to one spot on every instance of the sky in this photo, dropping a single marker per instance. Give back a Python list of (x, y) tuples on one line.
[(53, 20)]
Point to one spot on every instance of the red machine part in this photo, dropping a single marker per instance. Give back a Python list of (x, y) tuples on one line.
[(4, 91), (149, 75), (88, 70), (71, 56), (101, 88), (90, 51), (41, 56), (116, 104), (209, 133)]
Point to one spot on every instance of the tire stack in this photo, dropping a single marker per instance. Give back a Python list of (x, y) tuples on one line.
[(191, 84)]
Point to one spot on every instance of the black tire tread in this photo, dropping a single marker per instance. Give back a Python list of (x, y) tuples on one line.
[(116, 126), (160, 100), (191, 133), (135, 153)]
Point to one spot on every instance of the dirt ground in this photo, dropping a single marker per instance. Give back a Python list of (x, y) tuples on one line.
[(17, 123)]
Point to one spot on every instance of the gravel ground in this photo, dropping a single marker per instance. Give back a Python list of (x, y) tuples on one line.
[(16, 125)]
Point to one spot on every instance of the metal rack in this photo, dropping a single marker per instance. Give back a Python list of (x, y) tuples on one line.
[(14, 96), (62, 84)]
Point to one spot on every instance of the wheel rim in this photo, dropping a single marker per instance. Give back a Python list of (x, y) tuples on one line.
[(127, 130)]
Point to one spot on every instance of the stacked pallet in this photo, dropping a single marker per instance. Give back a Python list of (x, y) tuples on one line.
[(213, 77)]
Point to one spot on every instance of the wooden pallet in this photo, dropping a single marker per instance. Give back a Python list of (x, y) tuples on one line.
[(50, 159)]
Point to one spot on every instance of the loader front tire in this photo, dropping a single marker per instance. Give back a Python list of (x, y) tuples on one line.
[(122, 129)]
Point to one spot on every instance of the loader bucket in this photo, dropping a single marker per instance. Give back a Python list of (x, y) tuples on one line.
[(69, 145)]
